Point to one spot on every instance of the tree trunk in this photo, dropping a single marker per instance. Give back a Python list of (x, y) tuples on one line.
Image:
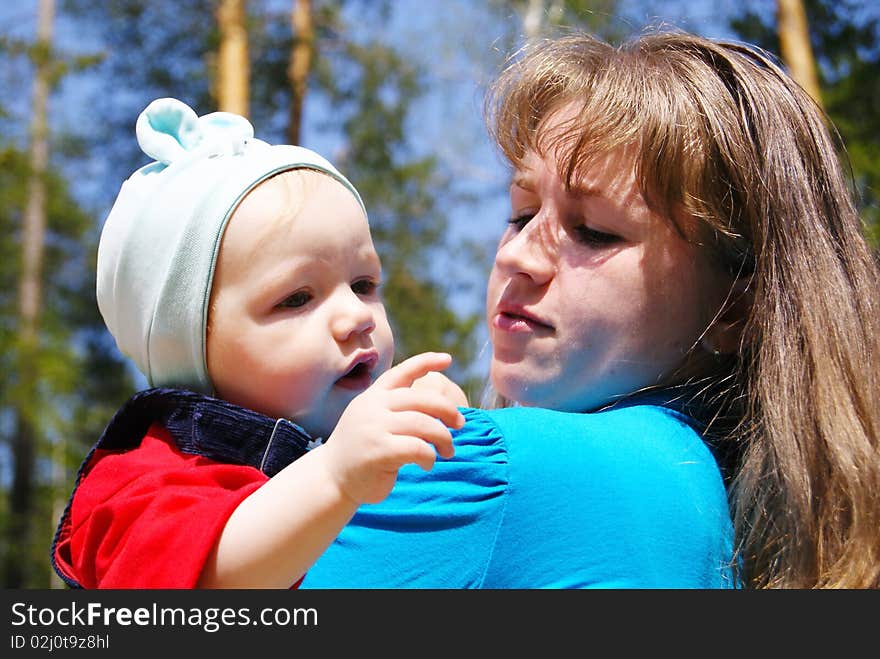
[(233, 64), (794, 42), (26, 405), (60, 494), (533, 19), (299, 65)]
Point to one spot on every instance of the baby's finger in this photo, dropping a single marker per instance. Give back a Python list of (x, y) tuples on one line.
[(410, 370), (432, 403), (415, 450), (426, 428), (436, 381)]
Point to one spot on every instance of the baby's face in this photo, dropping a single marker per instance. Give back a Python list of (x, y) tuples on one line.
[(296, 326)]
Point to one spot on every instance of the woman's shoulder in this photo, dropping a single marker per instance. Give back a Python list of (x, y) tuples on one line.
[(635, 481), (641, 422), (633, 411), (619, 442)]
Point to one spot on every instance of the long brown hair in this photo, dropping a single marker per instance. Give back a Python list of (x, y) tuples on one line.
[(730, 143)]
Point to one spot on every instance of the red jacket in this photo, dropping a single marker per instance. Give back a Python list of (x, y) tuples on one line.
[(148, 517)]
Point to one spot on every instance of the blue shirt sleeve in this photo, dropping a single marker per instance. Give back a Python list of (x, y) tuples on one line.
[(534, 498), (627, 498), (435, 530)]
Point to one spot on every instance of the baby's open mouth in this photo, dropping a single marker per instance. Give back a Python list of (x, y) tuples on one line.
[(357, 378), (359, 370)]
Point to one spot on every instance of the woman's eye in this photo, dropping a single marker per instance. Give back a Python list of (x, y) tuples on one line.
[(588, 236), (519, 221), (365, 287), (298, 299)]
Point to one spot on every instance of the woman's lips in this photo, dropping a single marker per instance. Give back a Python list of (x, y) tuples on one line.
[(517, 322)]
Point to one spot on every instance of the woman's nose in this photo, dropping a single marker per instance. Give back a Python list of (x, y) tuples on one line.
[(351, 316), (532, 252)]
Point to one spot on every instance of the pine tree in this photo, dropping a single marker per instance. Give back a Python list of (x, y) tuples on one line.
[(845, 39), (58, 374)]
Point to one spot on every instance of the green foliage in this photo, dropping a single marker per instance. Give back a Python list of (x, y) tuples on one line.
[(81, 379), (374, 87), (151, 48), (61, 387), (845, 37)]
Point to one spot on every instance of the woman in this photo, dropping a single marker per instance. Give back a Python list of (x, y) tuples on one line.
[(683, 277)]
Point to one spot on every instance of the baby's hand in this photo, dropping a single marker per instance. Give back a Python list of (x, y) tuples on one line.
[(436, 381), (390, 424)]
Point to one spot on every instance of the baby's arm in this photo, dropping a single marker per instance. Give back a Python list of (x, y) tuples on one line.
[(276, 533)]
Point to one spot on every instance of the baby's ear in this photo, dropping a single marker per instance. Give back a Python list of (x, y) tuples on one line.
[(725, 334)]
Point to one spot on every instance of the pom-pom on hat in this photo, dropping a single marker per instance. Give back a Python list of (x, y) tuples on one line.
[(159, 244)]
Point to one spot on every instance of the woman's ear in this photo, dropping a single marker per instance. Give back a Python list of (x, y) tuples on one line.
[(725, 333)]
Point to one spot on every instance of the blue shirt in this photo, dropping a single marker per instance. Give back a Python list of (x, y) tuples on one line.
[(629, 497)]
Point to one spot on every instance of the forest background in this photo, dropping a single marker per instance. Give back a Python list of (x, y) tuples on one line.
[(389, 90)]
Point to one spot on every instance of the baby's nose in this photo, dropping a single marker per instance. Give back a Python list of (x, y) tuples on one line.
[(351, 316)]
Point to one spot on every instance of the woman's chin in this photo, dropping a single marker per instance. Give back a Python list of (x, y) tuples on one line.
[(513, 383)]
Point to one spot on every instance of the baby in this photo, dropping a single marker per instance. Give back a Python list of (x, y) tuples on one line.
[(242, 280)]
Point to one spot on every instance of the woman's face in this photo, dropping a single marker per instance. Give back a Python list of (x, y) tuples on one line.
[(592, 295)]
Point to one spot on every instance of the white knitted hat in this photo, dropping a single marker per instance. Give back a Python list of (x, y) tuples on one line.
[(159, 244)]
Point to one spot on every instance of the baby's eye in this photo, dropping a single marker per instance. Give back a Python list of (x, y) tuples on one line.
[(588, 236), (365, 287), (520, 221), (298, 299)]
